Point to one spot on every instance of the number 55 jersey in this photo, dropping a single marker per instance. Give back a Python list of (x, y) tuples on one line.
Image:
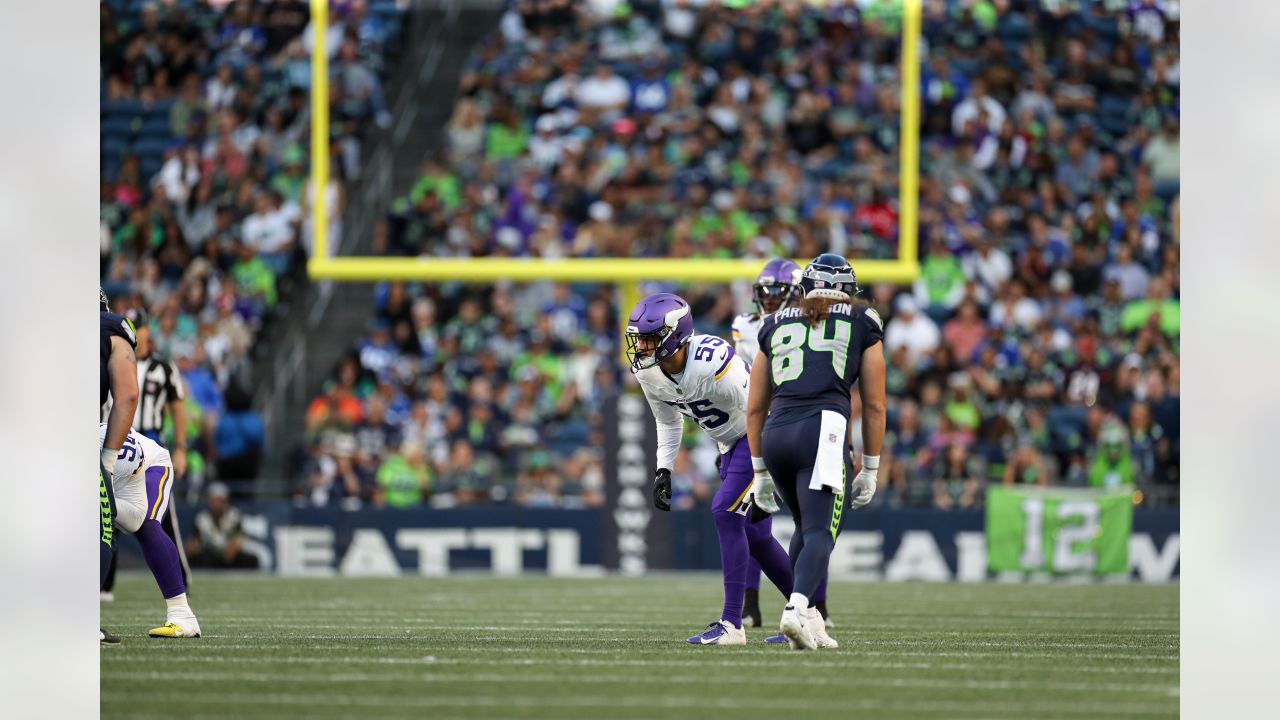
[(712, 390)]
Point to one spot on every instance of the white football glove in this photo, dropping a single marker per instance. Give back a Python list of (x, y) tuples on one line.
[(107, 456), (865, 483), (761, 492)]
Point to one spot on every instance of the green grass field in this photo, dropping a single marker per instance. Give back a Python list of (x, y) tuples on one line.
[(614, 648)]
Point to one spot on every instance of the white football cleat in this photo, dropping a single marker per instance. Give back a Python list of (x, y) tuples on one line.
[(106, 596), (792, 625), (720, 633), (813, 622)]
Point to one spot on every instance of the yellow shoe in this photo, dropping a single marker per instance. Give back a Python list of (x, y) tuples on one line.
[(173, 630)]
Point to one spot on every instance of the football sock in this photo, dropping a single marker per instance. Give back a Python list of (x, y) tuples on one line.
[(733, 561), (820, 595), (769, 555), (162, 557), (798, 601), (811, 562)]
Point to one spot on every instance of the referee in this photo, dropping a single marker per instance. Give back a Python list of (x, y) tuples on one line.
[(160, 389)]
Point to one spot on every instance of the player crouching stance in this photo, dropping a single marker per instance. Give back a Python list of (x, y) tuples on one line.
[(700, 376), (143, 483)]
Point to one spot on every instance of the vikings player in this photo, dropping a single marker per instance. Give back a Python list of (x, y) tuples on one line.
[(142, 478), (776, 287), (700, 376)]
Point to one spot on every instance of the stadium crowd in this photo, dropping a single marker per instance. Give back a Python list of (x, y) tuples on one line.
[(204, 185), (1040, 344)]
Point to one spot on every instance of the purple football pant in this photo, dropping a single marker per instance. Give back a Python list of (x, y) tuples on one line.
[(157, 547), (740, 539)]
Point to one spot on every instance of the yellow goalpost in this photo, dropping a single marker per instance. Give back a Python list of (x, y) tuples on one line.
[(627, 272)]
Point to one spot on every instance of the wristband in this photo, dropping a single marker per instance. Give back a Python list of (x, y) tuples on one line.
[(870, 462), (757, 464), (108, 458)]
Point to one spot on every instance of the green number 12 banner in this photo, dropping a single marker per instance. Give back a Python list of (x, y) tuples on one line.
[(1058, 530)]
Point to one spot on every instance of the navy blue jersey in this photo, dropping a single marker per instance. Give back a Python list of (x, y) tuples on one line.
[(813, 369), (117, 326)]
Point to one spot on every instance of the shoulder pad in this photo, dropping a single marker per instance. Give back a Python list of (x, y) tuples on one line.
[(875, 317), (119, 325)]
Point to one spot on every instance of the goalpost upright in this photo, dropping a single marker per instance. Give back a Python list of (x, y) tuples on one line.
[(628, 273)]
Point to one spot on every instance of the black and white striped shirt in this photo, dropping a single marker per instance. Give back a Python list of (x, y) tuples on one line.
[(159, 384)]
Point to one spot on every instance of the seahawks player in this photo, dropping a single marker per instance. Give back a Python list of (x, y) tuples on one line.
[(118, 377), (777, 286), (143, 483), (798, 424), (701, 377)]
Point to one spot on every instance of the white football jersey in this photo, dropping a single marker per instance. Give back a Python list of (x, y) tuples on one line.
[(746, 333), (712, 390), (138, 453)]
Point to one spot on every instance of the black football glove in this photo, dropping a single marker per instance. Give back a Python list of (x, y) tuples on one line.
[(662, 489)]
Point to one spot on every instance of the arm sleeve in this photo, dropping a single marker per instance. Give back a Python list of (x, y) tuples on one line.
[(670, 429)]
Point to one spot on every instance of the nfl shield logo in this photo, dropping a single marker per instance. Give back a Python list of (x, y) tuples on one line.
[(831, 437)]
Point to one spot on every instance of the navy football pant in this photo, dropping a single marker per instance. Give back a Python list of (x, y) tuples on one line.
[(106, 528), (790, 451)]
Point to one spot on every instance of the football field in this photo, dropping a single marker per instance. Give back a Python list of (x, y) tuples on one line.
[(480, 647)]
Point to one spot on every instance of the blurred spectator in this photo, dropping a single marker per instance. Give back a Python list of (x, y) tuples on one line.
[(403, 478), (965, 332), (911, 329), (239, 437), (219, 541), (1112, 463), (958, 479), (1026, 467)]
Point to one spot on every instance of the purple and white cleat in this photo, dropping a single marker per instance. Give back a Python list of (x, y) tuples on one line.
[(720, 633)]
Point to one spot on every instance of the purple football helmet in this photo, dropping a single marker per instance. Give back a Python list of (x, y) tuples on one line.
[(777, 285), (658, 326)]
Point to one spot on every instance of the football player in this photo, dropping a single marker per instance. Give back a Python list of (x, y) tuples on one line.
[(776, 287), (701, 377), (143, 482), (118, 377), (798, 424)]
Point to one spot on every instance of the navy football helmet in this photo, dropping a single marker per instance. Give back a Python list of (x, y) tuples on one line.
[(829, 276)]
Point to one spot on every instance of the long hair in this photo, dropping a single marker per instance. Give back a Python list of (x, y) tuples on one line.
[(815, 310)]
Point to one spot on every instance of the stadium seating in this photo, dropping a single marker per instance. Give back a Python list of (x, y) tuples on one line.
[(745, 174), (215, 298)]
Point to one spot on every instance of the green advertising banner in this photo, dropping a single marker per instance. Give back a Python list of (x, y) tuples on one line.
[(1058, 530)]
